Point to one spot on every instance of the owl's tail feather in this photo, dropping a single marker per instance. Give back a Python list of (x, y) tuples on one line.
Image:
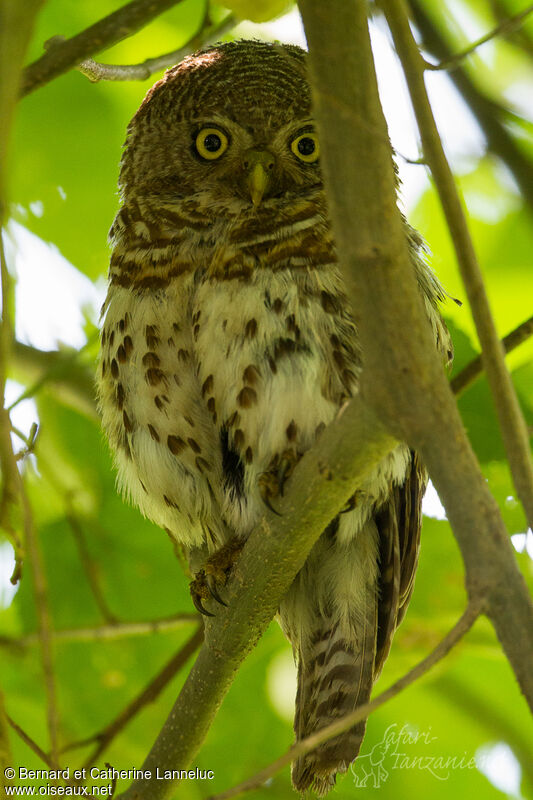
[(334, 677)]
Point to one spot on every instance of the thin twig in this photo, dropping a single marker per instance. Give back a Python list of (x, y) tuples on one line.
[(44, 624), (148, 695), (511, 420), (474, 368), (5, 749), (490, 116), (96, 71), (107, 632), (304, 746), (89, 567), (68, 53), (30, 742), (507, 26)]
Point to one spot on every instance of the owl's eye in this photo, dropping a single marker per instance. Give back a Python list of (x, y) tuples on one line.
[(305, 147), (211, 143)]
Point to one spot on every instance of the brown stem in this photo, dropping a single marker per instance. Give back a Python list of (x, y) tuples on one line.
[(474, 368), (31, 743), (65, 54), (97, 71)]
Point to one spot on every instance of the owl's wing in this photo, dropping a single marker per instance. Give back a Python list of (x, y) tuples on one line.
[(398, 521)]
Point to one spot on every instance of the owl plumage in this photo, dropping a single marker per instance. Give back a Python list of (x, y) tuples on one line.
[(228, 345)]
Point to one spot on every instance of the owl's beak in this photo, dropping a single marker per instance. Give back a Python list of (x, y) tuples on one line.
[(258, 166)]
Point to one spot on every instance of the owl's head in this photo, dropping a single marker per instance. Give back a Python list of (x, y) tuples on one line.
[(233, 121)]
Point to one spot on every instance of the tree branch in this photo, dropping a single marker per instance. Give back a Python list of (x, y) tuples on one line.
[(66, 54), (304, 746), (505, 27), (512, 424), (31, 743), (484, 109), (402, 374), (117, 630), (474, 368), (97, 71)]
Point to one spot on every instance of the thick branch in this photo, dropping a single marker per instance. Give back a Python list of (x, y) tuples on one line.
[(322, 482), (486, 112), (68, 53), (402, 373), (512, 424)]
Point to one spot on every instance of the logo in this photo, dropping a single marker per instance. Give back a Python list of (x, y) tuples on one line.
[(397, 750)]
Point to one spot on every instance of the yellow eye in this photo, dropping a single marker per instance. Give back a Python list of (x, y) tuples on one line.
[(305, 147), (211, 143)]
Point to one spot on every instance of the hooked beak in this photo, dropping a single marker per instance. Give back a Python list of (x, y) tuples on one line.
[(258, 165)]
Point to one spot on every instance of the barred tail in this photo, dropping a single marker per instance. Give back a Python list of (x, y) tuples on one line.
[(334, 678)]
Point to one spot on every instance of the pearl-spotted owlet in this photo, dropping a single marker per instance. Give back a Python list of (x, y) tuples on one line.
[(228, 344)]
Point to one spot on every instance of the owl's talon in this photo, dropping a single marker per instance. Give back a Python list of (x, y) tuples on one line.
[(212, 586), (197, 602), (351, 503)]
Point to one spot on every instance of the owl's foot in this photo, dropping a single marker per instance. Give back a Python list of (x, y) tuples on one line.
[(272, 482), (215, 574)]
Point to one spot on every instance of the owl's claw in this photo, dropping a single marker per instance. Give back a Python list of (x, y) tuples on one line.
[(212, 586), (198, 587), (266, 501), (351, 503)]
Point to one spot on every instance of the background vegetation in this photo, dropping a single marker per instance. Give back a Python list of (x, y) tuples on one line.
[(105, 567)]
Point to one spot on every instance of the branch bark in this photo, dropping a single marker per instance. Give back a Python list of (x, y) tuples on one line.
[(402, 375), (68, 53)]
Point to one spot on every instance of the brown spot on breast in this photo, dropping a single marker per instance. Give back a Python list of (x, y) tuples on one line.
[(211, 405), (272, 365), (151, 336), (176, 445), (189, 421), (122, 325), (170, 342), (292, 431), (247, 397), (103, 367), (195, 332), (202, 464), (154, 376), (338, 358), (284, 347), (251, 375), (251, 328), (183, 355), (194, 445), (128, 346), (207, 385), (121, 354), (114, 369), (233, 420), (176, 327), (249, 456), (127, 422), (196, 316), (103, 336), (151, 360), (238, 439), (120, 395), (153, 433), (277, 305), (111, 338), (177, 380)]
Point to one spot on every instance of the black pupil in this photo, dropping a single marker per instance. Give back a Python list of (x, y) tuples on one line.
[(212, 142), (306, 146)]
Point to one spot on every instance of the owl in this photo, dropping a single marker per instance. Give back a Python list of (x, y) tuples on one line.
[(228, 344)]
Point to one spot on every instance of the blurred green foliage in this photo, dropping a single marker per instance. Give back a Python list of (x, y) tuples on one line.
[(67, 146)]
